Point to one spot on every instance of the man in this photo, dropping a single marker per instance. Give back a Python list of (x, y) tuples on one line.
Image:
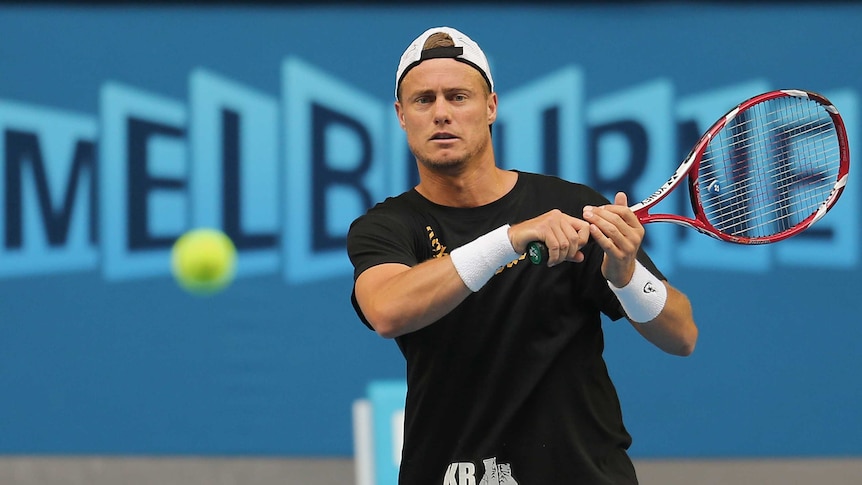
[(505, 375)]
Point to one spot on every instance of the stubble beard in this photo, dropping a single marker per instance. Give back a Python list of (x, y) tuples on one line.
[(446, 165)]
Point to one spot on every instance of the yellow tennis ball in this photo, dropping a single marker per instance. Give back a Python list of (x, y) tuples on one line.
[(203, 261)]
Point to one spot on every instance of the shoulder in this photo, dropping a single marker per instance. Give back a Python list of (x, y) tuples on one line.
[(392, 213), (390, 207), (553, 186)]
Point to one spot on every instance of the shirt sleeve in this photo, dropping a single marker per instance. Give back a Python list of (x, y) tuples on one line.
[(377, 238)]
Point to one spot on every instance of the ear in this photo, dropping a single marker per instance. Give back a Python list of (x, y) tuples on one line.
[(399, 112), (492, 108)]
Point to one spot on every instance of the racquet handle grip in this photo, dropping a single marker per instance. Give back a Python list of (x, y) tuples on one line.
[(537, 252)]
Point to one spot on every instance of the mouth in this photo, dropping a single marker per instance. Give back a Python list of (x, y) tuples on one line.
[(443, 136)]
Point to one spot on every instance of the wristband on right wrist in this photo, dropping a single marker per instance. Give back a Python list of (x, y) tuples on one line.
[(477, 261)]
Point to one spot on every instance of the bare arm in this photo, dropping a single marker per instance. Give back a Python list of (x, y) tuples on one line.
[(673, 330), (617, 230), (397, 299)]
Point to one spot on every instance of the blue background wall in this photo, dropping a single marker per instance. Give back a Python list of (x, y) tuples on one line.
[(100, 352)]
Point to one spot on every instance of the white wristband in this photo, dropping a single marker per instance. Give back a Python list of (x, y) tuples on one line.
[(477, 261), (644, 297)]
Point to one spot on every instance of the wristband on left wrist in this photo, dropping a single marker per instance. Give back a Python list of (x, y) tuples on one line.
[(644, 297)]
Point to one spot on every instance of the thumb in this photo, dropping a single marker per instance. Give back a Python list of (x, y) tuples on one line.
[(621, 199)]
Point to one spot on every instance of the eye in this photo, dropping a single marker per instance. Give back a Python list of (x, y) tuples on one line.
[(460, 97)]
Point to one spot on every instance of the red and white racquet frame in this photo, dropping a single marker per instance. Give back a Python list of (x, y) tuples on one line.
[(690, 167), (772, 166)]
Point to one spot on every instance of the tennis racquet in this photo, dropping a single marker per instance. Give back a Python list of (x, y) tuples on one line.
[(767, 170)]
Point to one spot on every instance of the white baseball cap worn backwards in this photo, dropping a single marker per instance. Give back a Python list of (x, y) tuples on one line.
[(464, 50)]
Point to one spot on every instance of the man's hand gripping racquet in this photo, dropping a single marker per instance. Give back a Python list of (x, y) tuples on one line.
[(768, 169)]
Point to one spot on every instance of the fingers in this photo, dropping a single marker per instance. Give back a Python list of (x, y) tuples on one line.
[(615, 227), (611, 231), (583, 237), (564, 240), (618, 231), (562, 234)]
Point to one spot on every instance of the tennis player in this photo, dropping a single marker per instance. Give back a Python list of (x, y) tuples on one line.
[(505, 374)]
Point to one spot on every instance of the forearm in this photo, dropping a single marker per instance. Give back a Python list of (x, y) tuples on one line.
[(397, 299), (673, 330)]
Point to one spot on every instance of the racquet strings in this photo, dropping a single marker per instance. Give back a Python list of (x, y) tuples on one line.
[(770, 168)]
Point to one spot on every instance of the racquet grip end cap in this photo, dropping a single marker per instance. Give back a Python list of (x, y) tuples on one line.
[(537, 252)]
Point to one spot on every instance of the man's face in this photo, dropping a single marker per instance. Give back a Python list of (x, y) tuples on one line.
[(446, 109)]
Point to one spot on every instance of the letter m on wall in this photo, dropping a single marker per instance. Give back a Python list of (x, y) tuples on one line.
[(48, 219)]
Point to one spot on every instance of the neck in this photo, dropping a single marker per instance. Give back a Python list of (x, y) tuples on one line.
[(469, 188)]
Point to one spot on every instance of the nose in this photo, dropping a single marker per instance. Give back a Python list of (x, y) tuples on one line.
[(441, 112)]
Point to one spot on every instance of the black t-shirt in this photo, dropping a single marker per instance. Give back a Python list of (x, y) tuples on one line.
[(511, 384)]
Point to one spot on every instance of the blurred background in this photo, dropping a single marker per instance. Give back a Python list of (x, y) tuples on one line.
[(123, 125)]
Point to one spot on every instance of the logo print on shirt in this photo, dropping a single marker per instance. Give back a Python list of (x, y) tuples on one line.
[(464, 473), (437, 249)]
